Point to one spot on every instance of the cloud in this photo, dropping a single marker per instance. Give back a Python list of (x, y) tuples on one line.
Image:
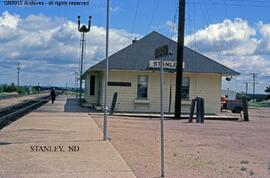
[(264, 43), (171, 26), (238, 45), (48, 48), (115, 8), (233, 37)]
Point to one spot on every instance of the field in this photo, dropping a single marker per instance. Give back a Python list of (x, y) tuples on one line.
[(214, 149), (261, 104)]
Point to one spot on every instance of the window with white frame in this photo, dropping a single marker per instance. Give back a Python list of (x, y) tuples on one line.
[(142, 87), (185, 88)]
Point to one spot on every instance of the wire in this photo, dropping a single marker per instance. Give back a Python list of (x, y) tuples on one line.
[(235, 3), (135, 17), (173, 30), (207, 20)]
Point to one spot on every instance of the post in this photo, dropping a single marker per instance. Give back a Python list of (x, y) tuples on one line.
[(114, 100), (245, 109), (18, 74), (105, 124), (179, 66), (246, 88), (81, 69), (161, 119), (192, 108), (83, 30), (253, 95), (159, 54), (76, 84), (170, 99), (198, 110), (202, 110)]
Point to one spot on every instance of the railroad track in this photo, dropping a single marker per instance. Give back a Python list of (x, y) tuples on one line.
[(17, 96), (14, 112)]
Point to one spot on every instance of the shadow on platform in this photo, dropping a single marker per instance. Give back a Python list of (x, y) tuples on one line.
[(73, 105), (5, 143)]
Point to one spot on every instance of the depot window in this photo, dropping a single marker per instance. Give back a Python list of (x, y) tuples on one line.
[(92, 84), (142, 87), (185, 88)]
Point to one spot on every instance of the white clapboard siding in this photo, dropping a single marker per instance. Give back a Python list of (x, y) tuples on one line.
[(207, 86)]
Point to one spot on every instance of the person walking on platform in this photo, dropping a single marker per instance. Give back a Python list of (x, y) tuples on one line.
[(53, 95)]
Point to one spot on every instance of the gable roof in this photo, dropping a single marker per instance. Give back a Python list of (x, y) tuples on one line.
[(137, 55)]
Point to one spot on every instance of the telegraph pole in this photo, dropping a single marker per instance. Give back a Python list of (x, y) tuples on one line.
[(246, 87), (18, 74), (83, 30), (105, 123), (180, 54), (76, 83), (254, 83)]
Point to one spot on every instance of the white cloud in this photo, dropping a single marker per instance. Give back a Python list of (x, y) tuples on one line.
[(9, 21), (8, 26), (171, 26), (230, 37), (238, 45), (264, 42), (115, 8), (48, 48)]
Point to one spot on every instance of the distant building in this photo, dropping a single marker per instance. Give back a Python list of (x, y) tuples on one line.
[(134, 75)]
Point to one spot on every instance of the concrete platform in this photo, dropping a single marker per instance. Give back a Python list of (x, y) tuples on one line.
[(222, 117), (58, 127)]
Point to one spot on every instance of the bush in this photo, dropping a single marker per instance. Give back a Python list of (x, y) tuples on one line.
[(240, 96), (10, 88), (1, 89), (21, 90)]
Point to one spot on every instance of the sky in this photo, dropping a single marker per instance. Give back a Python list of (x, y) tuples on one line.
[(45, 40)]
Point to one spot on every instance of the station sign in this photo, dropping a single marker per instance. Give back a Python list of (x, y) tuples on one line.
[(165, 64)]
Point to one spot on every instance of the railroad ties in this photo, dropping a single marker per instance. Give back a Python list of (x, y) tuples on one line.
[(12, 113)]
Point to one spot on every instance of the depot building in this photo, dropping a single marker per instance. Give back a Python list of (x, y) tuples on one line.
[(134, 75)]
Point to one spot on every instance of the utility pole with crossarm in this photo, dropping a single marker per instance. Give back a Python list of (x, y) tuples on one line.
[(180, 54), (18, 74)]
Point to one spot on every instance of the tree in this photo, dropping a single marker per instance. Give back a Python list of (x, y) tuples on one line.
[(10, 88), (242, 95), (1, 89), (267, 90)]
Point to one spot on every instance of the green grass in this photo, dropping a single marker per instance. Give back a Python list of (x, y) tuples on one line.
[(70, 93), (8, 93), (262, 104)]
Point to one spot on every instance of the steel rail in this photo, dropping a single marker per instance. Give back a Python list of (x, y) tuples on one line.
[(22, 110)]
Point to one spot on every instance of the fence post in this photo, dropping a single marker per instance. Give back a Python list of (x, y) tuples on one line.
[(245, 109), (198, 110), (202, 110), (192, 108), (113, 103)]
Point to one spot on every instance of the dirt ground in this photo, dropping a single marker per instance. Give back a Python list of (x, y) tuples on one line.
[(229, 149)]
